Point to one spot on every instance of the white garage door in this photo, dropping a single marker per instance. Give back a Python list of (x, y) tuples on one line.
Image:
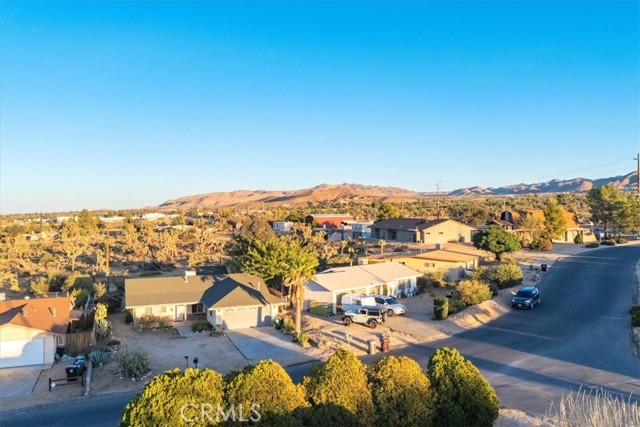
[(242, 318), (22, 353)]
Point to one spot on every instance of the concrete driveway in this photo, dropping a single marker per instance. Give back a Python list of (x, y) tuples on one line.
[(268, 343), (19, 381)]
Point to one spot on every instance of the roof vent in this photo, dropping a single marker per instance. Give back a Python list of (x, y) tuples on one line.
[(187, 274)]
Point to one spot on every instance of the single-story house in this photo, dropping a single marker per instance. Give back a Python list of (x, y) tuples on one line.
[(32, 329), (452, 259), (419, 230), (282, 227), (386, 278), (232, 301), (328, 221), (511, 220)]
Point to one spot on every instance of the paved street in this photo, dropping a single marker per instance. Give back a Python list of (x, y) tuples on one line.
[(578, 337)]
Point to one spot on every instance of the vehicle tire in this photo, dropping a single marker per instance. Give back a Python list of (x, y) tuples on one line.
[(372, 324), (347, 321), (531, 305), (390, 313)]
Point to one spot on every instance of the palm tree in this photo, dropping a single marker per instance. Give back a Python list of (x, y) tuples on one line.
[(301, 265)]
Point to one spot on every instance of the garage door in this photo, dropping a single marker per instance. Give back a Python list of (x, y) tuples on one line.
[(22, 353), (246, 318)]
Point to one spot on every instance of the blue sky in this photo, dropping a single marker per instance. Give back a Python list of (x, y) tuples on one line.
[(128, 104)]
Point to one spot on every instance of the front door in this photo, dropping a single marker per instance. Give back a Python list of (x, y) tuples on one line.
[(180, 312)]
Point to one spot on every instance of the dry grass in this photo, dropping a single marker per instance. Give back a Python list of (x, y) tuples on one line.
[(595, 409)]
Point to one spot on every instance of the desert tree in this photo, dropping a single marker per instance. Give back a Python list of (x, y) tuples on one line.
[(554, 222), (73, 243), (497, 241)]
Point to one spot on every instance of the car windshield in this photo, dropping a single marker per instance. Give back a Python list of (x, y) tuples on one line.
[(391, 300), (524, 293)]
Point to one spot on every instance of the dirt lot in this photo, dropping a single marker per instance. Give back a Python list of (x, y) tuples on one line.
[(166, 350)]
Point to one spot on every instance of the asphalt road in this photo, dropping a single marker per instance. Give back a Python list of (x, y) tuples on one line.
[(579, 337)]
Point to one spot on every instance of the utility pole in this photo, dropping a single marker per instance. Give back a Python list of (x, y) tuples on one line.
[(438, 199)]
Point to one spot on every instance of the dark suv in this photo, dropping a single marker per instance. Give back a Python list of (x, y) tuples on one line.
[(526, 298)]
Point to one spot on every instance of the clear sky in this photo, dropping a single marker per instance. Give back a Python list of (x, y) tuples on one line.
[(127, 104)]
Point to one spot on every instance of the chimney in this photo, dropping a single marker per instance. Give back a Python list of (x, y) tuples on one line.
[(187, 274), (53, 311), (439, 246)]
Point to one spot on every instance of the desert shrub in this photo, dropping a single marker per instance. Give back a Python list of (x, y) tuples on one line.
[(609, 242), (462, 396), (541, 244), (255, 384), (591, 245), (101, 312), (128, 317), (472, 292), (440, 308), (579, 239), (76, 280), (201, 326), (495, 290), (595, 409), (132, 364), (635, 316), (102, 329), (482, 274), (456, 306), (40, 286), (621, 241), (341, 381), (288, 326), (100, 357), (435, 279), (79, 297), (162, 400), (507, 275), (99, 290), (401, 392), (143, 324), (303, 339), (113, 302)]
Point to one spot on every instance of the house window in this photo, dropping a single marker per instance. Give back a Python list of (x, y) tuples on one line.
[(163, 309), (393, 235), (430, 264), (148, 310)]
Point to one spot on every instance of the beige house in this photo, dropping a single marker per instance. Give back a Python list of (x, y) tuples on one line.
[(32, 329), (511, 220), (419, 230), (231, 301), (452, 259)]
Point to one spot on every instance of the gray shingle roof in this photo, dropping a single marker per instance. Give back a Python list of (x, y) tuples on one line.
[(238, 290)]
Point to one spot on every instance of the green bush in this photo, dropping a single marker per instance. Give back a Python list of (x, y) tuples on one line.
[(440, 308), (635, 316), (621, 241), (435, 279), (507, 275), (462, 396), (268, 385), (132, 364), (101, 312), (162, 400), (472, 292), (609, 242), (102, 329), (288, 326), (201, 326), (456, 306), (128, 317), (401, 392), (541, 244), (341, 381), (592, 245), (79, 297), (303, 339), (579, 239), (39, 287)]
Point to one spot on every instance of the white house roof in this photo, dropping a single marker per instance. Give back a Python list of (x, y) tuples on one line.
[(345, 278)]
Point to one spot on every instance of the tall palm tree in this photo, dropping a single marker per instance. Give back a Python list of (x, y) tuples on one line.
[(301, 265)]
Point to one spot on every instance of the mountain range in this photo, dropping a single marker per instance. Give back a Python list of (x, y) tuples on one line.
[(363, 193)]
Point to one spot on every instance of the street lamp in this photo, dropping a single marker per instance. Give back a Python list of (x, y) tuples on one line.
[(195, 362), (186, 358)]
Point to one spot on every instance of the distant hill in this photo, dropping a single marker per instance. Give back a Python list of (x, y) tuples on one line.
[(576, 185), (326, 192)]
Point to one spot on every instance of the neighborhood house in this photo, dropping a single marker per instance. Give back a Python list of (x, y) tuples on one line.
[(32, 329), (418, 230), (511, 220), (329, 286), (230, 301)]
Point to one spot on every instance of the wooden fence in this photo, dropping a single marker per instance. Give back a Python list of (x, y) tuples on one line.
[(79, 342)]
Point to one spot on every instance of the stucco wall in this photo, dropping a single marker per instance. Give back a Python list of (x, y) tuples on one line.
[(16, 333)]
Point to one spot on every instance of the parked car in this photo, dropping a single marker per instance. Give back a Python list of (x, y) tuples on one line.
[(370, 316), (526, 297), (390, 305), (353, 302)]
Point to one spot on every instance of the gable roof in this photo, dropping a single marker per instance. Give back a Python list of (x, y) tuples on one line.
[(344, 278), (238, 290), (166, 290), (42, 314), (410, 224)]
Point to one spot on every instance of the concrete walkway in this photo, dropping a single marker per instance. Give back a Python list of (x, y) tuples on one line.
[(268, 343)]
